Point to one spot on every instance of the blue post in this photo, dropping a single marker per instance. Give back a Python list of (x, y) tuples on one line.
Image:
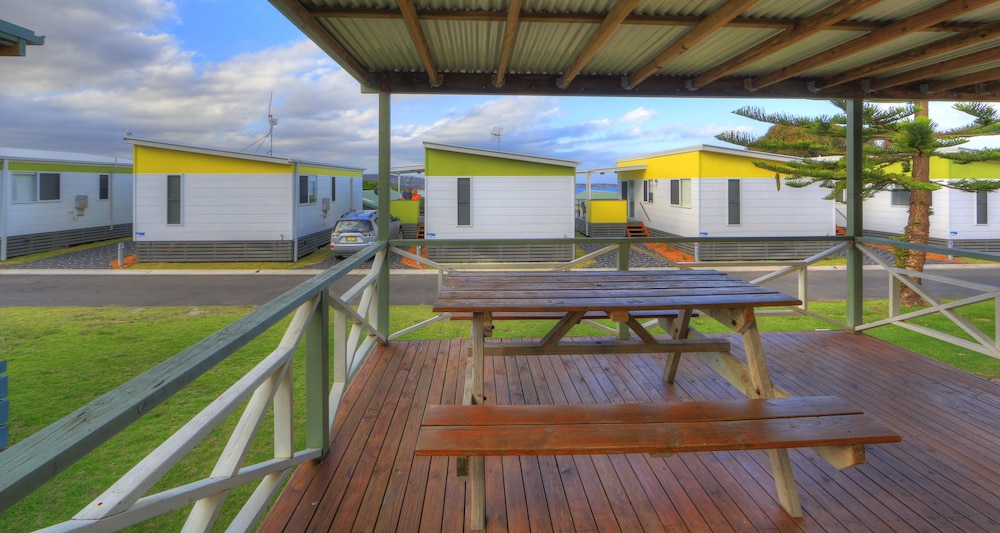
[(4, 406)]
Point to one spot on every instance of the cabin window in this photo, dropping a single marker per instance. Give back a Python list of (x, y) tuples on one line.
[(981, 208), (464, 201), (647, 191), (40, 187), (733, 203), (173, 199), (680, 192), (307, 190), (333, 188), (901, 197), (103, 187)]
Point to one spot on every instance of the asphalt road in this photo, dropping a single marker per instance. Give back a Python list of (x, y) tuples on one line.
[(98, 288)]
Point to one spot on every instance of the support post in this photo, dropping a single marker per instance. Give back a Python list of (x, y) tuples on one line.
[(855, 177), (624, 251), (384, 124)]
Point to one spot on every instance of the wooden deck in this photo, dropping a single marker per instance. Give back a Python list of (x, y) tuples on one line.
[(944, 476)]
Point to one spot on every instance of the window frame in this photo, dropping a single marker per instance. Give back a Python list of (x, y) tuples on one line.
[(680, 192), (730, 203), (463, 197), (982, 208), (38, 187), (104, 186), (177, 220), (647, 191), (309, 193), (333, 188)]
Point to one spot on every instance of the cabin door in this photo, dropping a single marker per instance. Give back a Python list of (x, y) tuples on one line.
[(627, 192)]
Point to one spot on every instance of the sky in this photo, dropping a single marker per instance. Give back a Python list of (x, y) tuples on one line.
[(207, 73)]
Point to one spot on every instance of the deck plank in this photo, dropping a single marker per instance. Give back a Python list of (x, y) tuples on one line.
[(944, 476)]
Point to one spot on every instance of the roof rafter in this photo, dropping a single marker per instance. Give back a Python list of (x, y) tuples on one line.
[(934, 15), (818, 22), (942, 67), (975, 78), (412, 21), (319, 34), (709, 24), (608, 26), (507, 49), (949, 44)]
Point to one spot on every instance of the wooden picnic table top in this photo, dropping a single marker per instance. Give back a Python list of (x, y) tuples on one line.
[(601, 290)]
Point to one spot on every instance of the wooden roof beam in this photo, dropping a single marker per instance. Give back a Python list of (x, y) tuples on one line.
[(956, 42), (818, 22), (920, 21), (608, 26), (976, 78), (719, 18), (412, 21), (507, 49), (937, 69)]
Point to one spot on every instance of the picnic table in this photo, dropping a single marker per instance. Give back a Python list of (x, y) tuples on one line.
[(478, 427)]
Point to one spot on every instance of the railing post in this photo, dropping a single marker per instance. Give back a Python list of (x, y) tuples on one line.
[(317, 378), (894, 295), (804, 287)]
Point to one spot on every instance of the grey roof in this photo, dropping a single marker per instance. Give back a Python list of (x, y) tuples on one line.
[(878, 49)]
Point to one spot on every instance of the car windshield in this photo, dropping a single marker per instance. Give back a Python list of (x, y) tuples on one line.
[(354, 226)]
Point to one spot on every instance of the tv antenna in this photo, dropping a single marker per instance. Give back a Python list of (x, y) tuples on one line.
[(497, 134)]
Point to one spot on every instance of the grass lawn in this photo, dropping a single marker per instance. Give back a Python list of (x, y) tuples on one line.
[(62, 358)]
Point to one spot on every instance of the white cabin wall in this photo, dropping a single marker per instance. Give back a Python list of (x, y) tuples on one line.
[(765, 211), (216, 207), (61, 215), (503, 207), (311, 218), (962, 219), (660, 215)]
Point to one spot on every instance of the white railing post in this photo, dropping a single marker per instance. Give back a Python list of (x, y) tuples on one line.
[(894, 295), (804, 287)]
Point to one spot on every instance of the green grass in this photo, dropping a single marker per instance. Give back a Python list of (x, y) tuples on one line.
[(62, 358)]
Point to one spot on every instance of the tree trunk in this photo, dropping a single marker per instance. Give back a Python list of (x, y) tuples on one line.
[(918, 227)]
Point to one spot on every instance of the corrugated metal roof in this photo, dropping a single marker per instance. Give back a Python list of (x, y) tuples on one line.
[(658, 47)]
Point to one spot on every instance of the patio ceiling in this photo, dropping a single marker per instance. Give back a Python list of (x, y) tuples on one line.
[(872, 49)]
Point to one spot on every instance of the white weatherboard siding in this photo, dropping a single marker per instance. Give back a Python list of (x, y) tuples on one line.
[(60, 215), (310, 216), (503, 207), (962, 217), (765, 210), (216, 207), (660, 215)]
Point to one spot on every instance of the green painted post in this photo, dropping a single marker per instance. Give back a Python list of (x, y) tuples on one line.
[(317, 378), (855, 228), (384, 124)]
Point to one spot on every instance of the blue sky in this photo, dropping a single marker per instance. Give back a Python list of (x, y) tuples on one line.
[(202, 72)]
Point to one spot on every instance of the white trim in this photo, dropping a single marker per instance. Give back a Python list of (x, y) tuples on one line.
[(19, 155), (623, 168), (500, 155)]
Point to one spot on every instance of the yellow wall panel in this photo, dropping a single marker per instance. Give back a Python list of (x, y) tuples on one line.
[(149, 160), (607, 212)]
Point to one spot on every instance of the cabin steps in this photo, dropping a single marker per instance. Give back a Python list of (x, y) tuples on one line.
[(636, 229), (420, 230)]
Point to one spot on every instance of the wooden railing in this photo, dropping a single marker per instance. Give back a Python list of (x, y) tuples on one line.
[(335, 347)]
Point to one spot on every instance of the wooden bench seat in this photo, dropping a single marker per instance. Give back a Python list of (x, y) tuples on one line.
[(473, 430), (834, 428), (590, 315)]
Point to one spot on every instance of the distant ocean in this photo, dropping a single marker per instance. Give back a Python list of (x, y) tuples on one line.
[(604, 187)]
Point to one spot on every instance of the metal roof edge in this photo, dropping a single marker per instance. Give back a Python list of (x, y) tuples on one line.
[(739, 152), (52, 156), (622, 168), (501, 155)]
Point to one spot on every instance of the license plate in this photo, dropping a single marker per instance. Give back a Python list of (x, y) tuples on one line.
[(351, 239)]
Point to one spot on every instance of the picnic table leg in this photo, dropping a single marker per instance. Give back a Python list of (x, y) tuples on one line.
[(781, 464), (473, 395), (678, 330)]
